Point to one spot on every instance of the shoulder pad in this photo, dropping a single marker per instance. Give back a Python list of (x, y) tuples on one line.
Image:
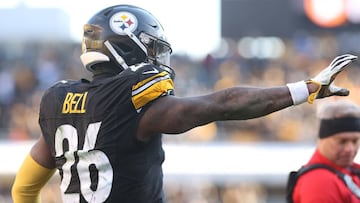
[(153, 83)]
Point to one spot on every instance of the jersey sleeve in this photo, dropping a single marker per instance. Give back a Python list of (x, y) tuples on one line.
[(26, 187), (151, 86)]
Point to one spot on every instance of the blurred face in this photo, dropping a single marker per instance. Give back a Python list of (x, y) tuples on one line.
[(340, 148)]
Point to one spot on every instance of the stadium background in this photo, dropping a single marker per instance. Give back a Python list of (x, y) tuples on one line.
[(232, 42)]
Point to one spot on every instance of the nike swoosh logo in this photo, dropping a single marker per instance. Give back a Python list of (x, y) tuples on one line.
[(150, 71)]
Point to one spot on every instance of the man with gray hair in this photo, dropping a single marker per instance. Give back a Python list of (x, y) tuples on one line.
[(335, 177)]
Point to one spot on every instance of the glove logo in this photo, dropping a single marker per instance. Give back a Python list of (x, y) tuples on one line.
[(123, 22)]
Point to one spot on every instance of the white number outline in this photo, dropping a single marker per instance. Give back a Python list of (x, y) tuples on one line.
[(87, 156)]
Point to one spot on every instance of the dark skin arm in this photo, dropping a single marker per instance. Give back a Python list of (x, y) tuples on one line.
[(41, 153), (172, 115)]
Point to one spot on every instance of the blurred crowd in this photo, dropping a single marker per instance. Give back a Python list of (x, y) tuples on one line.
[(27, 69)]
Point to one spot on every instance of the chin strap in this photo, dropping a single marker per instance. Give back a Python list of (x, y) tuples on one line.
[(137, 41), (118, 58)]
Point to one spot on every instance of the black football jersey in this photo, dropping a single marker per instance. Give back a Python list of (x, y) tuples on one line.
[(91, 127)]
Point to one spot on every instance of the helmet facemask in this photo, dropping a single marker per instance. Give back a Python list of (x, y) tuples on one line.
[(158, 52)]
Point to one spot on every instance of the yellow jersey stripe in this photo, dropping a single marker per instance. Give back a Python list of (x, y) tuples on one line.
[(140, 84), (144, 93)]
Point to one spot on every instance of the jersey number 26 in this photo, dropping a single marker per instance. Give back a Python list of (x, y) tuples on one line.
[(92, 189)]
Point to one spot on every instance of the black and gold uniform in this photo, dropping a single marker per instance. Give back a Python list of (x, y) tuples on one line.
[(91, 127)]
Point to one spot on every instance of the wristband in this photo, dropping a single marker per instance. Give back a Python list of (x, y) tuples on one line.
[(299, 92)]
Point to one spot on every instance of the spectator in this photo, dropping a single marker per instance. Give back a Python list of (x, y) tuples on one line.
[(339, 140)]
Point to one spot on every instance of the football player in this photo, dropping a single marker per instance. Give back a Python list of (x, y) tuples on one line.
[(104, 136)]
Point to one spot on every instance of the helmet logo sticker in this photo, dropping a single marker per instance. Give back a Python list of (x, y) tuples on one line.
[(123, 22)]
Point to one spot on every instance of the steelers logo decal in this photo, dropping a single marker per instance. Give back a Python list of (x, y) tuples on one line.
[(123, 22)]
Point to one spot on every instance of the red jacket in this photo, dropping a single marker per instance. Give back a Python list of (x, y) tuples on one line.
[(324, 186)]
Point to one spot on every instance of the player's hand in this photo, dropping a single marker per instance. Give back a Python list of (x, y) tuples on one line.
[(326, 78)]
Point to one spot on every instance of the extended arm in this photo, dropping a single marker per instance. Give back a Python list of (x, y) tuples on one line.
[(176, 115)]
